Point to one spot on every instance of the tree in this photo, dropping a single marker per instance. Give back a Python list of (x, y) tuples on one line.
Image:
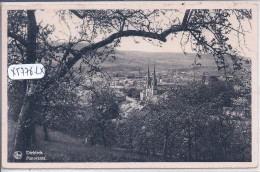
[(59, 106), (105, 109), (101, 31), (189, 123)]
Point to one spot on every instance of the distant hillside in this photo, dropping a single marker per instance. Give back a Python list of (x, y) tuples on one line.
[(133, 61), (162, 60), (129, 61)]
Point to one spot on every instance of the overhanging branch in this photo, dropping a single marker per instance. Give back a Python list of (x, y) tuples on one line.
[(120, 34), (77, 14), (77, 55)]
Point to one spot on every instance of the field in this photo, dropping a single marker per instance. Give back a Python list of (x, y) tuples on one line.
[(65, 148)]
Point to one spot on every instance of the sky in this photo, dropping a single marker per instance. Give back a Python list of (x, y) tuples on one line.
[(130, 43)]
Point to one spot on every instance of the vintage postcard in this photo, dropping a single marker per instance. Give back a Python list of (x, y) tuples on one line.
[(129, 85)]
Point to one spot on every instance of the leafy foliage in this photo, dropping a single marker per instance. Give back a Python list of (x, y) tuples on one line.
[(191, 124)]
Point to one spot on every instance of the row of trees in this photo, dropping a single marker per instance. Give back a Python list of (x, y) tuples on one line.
[(64, 110), (191, 125)]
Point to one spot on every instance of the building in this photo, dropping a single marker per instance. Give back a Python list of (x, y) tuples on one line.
[(210, 78), (151, 86)]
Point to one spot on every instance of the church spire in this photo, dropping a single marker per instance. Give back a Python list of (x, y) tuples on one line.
[(154, 77), (154, 70), (148, 72), (148, 77)]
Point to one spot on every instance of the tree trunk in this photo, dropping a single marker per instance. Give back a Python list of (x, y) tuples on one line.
[(25, 126), (196, 144), (165, 145), (225, 149), (32, 34), (214, 151), (189, 144), (104, 139), (45, 132), (131, 140), (103, 134), (25, 131), (225, 153), (33, 136)]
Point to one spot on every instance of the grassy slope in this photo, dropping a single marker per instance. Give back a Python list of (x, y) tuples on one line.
[(65, 148)]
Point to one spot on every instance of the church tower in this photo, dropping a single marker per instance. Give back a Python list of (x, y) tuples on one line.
[(151, 85), (149, 79), (154, 82)]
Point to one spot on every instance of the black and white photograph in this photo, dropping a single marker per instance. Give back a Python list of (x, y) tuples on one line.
[(129, 82)]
